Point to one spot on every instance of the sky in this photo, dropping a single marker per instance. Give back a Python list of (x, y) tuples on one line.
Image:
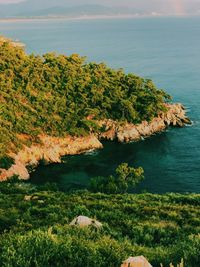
[(110, 2), (177, 3), (9, 1)]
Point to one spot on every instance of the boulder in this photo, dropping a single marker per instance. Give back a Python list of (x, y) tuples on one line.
[(139, 261), (128, 133), (83, 221), (27, 198), (144, 129)]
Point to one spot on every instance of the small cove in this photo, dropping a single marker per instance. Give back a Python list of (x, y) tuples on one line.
[(153, 154)]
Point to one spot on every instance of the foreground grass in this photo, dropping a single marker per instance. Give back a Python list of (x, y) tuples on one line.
[(35, 231)]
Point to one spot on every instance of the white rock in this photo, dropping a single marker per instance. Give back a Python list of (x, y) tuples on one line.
[(139, 261), (83, 221)]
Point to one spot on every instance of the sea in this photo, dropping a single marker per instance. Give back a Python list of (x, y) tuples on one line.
[(164, 49)]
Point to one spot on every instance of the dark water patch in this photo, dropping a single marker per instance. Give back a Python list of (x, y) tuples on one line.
[(156, 155)]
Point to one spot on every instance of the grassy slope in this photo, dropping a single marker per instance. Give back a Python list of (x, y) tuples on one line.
[(54, 94), (36, 233)]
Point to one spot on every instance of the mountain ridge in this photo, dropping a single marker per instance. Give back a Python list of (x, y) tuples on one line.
[(37, 8)]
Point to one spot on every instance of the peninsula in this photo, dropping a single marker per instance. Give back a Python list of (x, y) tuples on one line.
[(55, 105)]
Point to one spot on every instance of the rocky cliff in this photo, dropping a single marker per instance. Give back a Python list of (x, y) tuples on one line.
[(51, 149), (12, 43), (174, 116)]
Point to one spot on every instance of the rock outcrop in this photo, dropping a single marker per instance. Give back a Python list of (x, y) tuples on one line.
[(83, 221), (12, 43), (139, 261), (51, 149), (175, 116)]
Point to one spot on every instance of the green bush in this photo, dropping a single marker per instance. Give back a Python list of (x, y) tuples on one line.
[(67, 247), (6, 162), (125, 177)]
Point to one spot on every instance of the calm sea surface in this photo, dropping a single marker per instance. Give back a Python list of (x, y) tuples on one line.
[(164, 49)]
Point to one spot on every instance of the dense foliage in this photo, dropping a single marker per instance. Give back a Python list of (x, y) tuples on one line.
[(6, 162), (125, 177), (54, 94), (35, 231)]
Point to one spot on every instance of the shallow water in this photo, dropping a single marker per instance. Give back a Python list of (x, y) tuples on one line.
[(164, 49)]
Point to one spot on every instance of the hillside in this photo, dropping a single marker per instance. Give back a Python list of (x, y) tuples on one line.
[(82, 10), (55, 105), (55, 94), (54, 8), (35, 230)]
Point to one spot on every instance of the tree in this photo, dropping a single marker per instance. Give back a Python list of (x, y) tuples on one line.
[(125, 177)]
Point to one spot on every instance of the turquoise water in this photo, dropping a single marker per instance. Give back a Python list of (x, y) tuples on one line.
[(164, 49)]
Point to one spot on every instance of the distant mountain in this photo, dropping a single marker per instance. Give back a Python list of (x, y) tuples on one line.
[(74, 11), (38, 8), (43, 8), (27, 10)]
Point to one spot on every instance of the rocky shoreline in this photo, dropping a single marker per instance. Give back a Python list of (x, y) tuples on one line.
[(174, 116), (12, 43), (51, 149)]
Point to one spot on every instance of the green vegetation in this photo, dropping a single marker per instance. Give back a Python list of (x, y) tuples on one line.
[(54, 94), (178, 265), (35, 231), (6, 162), (124, 178), (58, 95)]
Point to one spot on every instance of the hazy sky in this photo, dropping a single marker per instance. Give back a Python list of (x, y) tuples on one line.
[(112, 2), (9, 1)]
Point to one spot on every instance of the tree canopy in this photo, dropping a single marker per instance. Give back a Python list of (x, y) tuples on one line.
[(125, 177), (54, 94)]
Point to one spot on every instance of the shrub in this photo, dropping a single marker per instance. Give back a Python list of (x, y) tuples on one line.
[(125, 177), (6, 162)]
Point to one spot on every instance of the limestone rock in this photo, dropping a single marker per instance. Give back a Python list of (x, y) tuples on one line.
[(83, 221), (50, 149), (139, 261), (109, 129), (11, 42), (27, 198), (128, 133), (175, 116)]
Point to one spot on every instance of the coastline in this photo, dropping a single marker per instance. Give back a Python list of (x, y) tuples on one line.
[(65, 18), (51, 149), (86, 17)]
